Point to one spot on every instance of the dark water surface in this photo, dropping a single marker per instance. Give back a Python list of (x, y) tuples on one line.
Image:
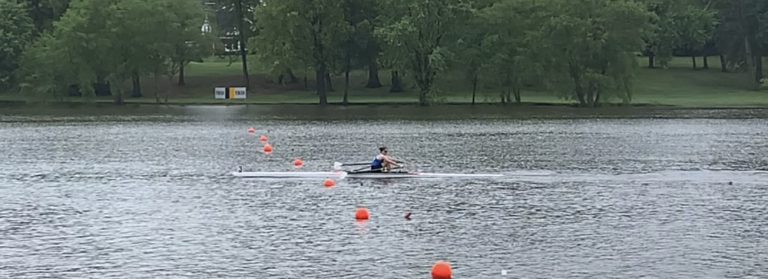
[(145, 192)]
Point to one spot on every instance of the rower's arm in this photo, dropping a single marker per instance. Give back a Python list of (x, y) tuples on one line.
[(389, 160)]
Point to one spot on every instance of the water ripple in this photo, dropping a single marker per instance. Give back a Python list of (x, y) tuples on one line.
[(149, 196)]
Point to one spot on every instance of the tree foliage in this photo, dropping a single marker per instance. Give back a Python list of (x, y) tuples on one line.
[(510, 49), (101, 41), (584, 51), (679, 23), (16, 30), (417, 33), (742, 36), (296, 33), (591, 44)]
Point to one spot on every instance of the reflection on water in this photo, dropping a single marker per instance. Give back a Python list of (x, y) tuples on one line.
[(148, 195), (90, 112)]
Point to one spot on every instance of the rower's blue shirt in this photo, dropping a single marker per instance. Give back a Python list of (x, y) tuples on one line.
[(377, 163)]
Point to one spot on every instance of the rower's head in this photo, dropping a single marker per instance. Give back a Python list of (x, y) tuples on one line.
[(383, 150)]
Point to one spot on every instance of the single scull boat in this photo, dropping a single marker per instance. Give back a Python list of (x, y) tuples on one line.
[(356, 174)]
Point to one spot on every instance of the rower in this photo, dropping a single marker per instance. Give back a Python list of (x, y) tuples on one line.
[(382, 162)]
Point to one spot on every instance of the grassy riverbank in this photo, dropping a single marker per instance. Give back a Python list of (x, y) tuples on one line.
[(678, 85)]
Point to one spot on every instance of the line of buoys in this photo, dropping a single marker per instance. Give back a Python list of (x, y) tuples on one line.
[(440, 270)]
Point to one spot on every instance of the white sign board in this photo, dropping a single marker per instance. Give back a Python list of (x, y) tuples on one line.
[(240, 93), (220, 92)]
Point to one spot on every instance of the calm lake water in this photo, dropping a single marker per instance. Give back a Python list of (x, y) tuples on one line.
[(146, 192)]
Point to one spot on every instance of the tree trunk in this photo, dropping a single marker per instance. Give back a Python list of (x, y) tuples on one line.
[(373, 75), (117, 94), (580, 95), (474, 88), (503, 96), (758, 70), (723, 64), (320, 75), (578, 87), (328, 83), (346, 86), (426, 86), (136, 93), (347, 68), (397, 83), (706, 62), (693, 60), (596, 103), (651, 60), (516, 91), (170, 87), (751, 64), (241, 32), (118, 98), (181, 73), (424, 97), (306, 82), (294, 79), (157, 88)]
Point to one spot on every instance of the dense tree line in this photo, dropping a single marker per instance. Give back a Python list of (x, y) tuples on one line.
[(584, 50)]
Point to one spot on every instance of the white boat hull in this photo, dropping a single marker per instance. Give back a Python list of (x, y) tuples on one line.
[(358, 175)]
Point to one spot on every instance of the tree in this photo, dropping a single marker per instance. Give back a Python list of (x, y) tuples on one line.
[(696, 29), (17, 30), (678, 23), (511, 47), (358, 44), (99, 40), (240, 22), (742, 36), (365, 18), (471, 49), (301, 33), (189, 43), (44, 12), (416, 34), (592, 44), (182, 41)]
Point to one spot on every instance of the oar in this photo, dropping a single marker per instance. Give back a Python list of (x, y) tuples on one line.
[(337, 165), (352, 164)]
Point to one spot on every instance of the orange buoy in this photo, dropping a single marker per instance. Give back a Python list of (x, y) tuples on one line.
[(361, 214), (251, 130), (441, 270), (297, 162), (263, 138), (329, 182), (267, 148)]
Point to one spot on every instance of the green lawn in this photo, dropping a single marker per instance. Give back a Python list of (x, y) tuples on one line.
[(677, 85)]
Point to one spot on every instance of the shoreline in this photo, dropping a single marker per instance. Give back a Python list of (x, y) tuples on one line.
[(22, 103)]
